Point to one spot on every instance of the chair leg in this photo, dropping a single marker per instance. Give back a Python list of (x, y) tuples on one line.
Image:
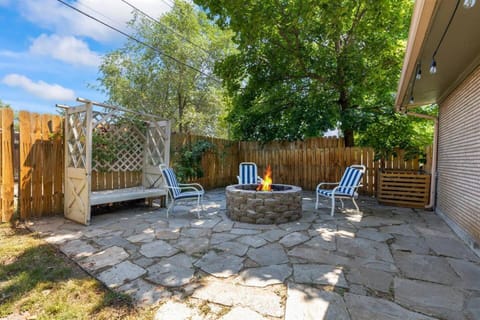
[(199, 205), (171, 205), (316, 202), (333, 205), (343, 204), (355, 203)]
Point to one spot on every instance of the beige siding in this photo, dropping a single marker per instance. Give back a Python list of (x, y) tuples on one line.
[(458, 195)]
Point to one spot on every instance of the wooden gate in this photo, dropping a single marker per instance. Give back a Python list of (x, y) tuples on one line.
[(78, 153)]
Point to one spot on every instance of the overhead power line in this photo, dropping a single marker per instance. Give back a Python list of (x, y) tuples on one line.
[(137, 40), (165, 26)]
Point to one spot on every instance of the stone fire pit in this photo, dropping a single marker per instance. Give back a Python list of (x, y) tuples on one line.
[(281, 205)]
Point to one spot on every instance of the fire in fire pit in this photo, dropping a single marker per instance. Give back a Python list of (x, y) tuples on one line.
[(266, 185)]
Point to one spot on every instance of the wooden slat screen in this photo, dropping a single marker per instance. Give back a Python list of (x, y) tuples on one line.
[(403, 188)]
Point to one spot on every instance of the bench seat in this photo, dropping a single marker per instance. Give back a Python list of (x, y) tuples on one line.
[(126, 194)]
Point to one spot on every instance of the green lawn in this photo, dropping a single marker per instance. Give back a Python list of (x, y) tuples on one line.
[(39, 282)]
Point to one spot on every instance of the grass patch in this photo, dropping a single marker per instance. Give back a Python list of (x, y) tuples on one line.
[(39, 281)]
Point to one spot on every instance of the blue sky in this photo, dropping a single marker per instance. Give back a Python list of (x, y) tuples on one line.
[(50, 54)]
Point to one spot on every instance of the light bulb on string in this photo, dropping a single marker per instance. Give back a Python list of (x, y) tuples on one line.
[(433, 66), (468, 4)]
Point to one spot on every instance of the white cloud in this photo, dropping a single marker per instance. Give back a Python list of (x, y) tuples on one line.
[(63, 20), (66, 48), (39, 89)]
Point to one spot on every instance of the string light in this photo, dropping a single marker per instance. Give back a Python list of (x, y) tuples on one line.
[(467, 4), (419, 72), (433, 66)]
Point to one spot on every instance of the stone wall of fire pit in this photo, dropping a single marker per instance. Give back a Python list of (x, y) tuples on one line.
[(281, 205)]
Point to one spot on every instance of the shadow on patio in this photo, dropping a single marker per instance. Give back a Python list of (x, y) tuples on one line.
[(386, 262)]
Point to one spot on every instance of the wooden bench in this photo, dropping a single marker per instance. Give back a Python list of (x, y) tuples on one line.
[(126, 194)]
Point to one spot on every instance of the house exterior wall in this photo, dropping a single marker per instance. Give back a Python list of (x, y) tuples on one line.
[(458, 180)]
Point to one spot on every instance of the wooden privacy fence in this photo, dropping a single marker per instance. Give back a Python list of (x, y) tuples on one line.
[(6, 165), (302, 163), (220, 165), (41, 164)]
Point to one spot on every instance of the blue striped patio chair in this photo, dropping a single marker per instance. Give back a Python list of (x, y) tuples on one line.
[(345, 189), (178, 191), (248, 173)]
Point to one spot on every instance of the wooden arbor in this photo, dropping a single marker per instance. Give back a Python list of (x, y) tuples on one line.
[(111, 154)]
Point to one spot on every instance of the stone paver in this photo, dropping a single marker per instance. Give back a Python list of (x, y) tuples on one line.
[(430, 298), (412, 244), (144, 293), (319, 274), (265, 276), (120, 273), (253, 241), (370, 278), (240, 313), (220, 265), (232, 247), (384, 263), (158, 248), (173, 271), (469, 274), (451, 248), (268, 255), (263, 301), (175, 310), (104, 258), (427, 268), (309, 303), (78, 249), (293, 239), (368, 308)]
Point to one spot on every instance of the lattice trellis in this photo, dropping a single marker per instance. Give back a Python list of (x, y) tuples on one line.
[(76, 140), (118, 141), (117, 145), (157, 136)]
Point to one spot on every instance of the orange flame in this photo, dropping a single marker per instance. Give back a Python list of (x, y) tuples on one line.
[(267, 181)]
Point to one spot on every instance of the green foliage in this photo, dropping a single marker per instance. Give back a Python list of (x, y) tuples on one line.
[(140, 78), (110, 142), (390, 131), (188, 166), (305, 66)]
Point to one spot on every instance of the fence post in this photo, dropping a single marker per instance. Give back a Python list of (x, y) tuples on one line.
[(6, 167)]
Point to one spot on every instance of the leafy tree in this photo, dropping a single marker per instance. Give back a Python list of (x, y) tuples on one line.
[(175, 80), (392, 131), (305, 66)]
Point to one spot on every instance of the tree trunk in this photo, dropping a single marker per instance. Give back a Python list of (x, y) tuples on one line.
[(348, 138), (181, 108)]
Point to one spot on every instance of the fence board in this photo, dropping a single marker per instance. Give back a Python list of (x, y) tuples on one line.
[(26, 169), (48, 165), (57, 146), (6, 169)]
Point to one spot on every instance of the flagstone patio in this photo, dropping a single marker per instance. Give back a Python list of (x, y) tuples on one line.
[(385, 263)]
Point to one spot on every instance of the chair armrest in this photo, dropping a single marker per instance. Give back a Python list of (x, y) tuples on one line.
[(194, 186), (326, 183), (354, 188)]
